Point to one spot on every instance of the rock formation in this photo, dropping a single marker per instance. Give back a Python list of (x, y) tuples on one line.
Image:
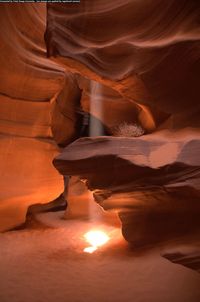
[(39, 102), (144, 58), (28, 84), (151, 181), (189, 257), (148, 52)]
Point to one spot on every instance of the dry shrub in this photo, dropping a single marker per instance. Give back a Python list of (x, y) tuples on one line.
[(128, 130)]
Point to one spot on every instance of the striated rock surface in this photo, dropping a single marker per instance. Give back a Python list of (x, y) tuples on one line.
[(146, 53), (152, 181), (27, 177), (146, 50), (26, 73), (39, 103), (64, 112), (143, 59), (29, 81)]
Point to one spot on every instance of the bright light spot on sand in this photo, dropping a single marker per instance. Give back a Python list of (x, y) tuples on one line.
[(96, 239), (90, 249)]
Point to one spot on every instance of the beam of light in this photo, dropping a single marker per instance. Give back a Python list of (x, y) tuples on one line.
[(96, 128), (96, 239)]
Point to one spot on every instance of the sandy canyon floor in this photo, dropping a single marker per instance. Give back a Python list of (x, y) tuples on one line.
[(45, 262)]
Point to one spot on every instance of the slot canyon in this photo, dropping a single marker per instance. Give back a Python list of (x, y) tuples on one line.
[(100, 131)]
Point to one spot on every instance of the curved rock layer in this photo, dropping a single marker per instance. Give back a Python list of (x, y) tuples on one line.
[(106, 104), (28, 84), (102, 103), (64, 116), (25, 71), (147, 50), (147, 69), (39, 104), (185, 255), (152, 181)]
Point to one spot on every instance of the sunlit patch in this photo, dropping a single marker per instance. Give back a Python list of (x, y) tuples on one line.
[(96, 239), (90, 249)]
